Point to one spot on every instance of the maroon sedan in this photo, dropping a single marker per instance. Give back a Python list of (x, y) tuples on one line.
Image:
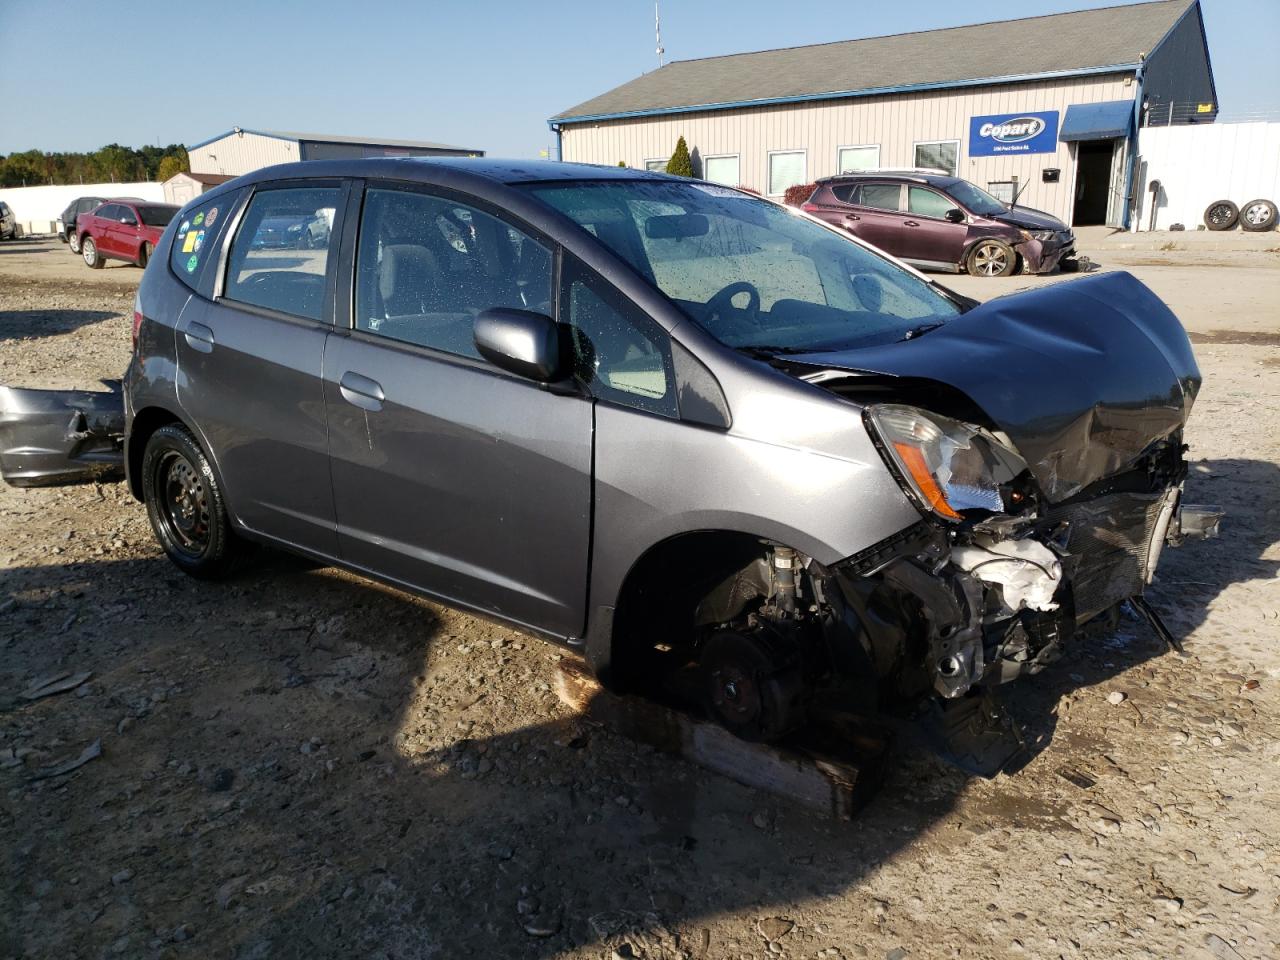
[(938, 222), (122, 230)]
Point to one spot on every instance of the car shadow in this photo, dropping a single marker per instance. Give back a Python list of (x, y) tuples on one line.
[(28, 324), (314, 766)]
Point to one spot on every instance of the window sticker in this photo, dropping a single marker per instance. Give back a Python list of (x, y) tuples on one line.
[(189, 244), (199, 242), (211, 216), (182, 230), (198, 220), (192, 263)]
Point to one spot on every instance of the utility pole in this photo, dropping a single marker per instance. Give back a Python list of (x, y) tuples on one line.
[(657, 31)]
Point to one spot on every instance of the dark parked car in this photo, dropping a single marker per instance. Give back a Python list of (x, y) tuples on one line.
[(937, 222), (122, 230), (67, 222), (8, 223), (688, 432)]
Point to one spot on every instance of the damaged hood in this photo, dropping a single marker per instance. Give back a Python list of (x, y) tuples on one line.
[(1084, 376)]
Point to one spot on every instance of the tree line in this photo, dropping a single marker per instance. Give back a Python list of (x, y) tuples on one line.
[(110, 164)]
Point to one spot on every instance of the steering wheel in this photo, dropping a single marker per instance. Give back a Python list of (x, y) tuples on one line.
[(721, 305)]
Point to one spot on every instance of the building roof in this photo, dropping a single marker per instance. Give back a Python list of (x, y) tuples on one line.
[(336, 138), (208, 179), (1110, 39)]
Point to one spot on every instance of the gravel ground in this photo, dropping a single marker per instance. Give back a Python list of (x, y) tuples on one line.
[(301, 764)]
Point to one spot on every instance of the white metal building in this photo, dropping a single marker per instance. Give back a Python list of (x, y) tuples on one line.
[(239, 151), (1047, 106)]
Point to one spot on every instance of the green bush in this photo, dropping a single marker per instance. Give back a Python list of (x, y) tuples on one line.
[(681, 164)]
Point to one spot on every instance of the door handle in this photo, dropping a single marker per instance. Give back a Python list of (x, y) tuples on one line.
[(199, 337), (910, 223), (361, 391), (852, 216)]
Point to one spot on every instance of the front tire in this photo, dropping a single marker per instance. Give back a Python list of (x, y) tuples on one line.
[(186, 506), (89, 250), (991, 258)]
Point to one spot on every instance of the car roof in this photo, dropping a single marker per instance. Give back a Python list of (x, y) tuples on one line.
[(932, 179), (458, 171)]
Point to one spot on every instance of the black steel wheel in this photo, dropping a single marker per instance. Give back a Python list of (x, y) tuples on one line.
[(186, 507), (1221, 215), (991, 258), (1258, 216), (749, 689)]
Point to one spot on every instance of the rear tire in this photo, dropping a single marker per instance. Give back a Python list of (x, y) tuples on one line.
[(144, 255), (73, 241), (89, 250), (186, 507), (1221, 215), (991, 258), (1258, 216)]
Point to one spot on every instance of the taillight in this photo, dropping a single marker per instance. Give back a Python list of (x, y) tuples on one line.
[(137, 319), (809, 207)]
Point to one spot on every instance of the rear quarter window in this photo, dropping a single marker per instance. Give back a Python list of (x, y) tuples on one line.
[(195, 238)]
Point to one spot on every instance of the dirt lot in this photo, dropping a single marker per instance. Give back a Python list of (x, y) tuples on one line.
[(300, 764)]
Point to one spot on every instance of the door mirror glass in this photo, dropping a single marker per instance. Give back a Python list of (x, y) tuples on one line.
[(955, 215), (522, 342)]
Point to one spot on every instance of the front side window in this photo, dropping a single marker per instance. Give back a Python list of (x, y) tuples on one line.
[(126, 215), (786, 169), (751, 273), (428, 266), (108, 211), (927, 203), (853, 159), (280, 255), (619, 352), (941, 155), (722, 170)]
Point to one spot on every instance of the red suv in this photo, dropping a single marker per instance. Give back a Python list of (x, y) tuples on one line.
[(122, 230), (938, 222)]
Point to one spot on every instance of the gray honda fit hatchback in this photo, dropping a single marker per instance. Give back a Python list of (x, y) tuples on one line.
[(688, 431)]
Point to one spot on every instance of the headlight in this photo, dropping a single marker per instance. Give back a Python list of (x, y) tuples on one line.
[(1042, 235), (948, 466)]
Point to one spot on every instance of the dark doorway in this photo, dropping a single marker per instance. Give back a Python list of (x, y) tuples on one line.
[(1093, 182)]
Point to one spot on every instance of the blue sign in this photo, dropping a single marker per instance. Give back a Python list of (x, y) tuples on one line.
[(1013, 133)]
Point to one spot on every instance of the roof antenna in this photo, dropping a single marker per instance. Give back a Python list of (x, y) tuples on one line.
[(657, 31)]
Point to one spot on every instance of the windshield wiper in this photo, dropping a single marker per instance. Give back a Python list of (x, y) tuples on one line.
[(920, 330)]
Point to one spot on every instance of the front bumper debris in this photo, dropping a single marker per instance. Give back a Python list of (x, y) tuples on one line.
[(52, 437)]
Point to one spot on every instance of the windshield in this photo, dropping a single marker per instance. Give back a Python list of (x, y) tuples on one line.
[(975, 199), (751, 273), (158, 216)]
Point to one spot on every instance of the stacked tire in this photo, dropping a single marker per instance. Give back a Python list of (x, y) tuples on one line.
[(1256, 216)]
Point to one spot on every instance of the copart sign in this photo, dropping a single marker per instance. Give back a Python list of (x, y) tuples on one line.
[(1013, 133)]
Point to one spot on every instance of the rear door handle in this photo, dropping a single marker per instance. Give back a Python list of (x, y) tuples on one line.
[(199, 337), (361, 391), (910, 223)]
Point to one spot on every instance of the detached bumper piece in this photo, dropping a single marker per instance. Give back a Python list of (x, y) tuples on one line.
[(57, 437)]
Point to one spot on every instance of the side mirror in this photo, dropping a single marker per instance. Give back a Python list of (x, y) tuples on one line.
[(954, 215), (522, 342)]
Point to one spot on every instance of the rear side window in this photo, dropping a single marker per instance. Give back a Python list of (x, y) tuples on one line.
[(195, 239), (882, 196), (428, 266), (280, 255)]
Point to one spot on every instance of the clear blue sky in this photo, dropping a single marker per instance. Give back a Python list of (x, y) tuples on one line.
[(481, 73)]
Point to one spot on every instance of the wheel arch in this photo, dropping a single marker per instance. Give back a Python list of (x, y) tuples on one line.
[(657, 598)]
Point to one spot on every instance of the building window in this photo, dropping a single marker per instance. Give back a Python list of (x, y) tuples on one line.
[(938, 155), (656, 166), (853, 159), (724, 170), (1002, 190), (786, 169)]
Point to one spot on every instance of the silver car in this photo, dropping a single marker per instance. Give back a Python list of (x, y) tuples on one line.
[(720, 449)]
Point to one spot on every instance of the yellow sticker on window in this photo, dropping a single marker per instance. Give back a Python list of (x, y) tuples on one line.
[(189, 244)]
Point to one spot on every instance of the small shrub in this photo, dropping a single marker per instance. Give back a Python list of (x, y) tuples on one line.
[(798, 194), (681, 164), (622, 163)]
